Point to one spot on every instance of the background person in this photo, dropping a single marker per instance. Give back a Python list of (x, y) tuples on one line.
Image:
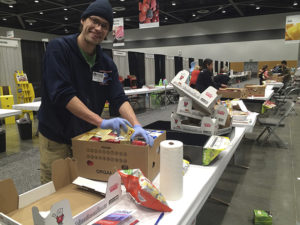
[(263, 74), (205, 78), (194, 76)]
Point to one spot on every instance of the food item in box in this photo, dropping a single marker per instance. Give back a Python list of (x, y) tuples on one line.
[(119, 217), (213, 147), (185, 165), (143, 191), (262, 217)]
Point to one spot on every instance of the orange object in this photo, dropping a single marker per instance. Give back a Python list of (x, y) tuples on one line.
[(143, 191), (194, 77)]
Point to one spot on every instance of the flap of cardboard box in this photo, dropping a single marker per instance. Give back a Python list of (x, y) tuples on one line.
[(64, 172), (9, 197)]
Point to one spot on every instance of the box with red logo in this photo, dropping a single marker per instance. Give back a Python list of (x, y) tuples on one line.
[(185, 108), (60, 201), (208, 126), (204, 101), (99, 160)]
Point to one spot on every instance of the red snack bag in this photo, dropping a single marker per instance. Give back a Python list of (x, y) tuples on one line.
[(143, 191), (136, 142)]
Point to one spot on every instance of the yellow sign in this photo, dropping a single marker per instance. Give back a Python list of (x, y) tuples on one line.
[(292, 29)]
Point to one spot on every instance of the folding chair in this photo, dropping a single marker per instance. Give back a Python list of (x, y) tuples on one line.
[(291, 95), (271, 123)]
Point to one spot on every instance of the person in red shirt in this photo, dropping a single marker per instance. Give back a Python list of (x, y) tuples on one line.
[(194, 76)]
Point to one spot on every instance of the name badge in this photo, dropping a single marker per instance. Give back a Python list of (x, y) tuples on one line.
[(98, 77)]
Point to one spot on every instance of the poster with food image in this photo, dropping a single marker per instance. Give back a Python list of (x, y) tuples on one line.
[(292, 29), (148, 13), (118, 32)]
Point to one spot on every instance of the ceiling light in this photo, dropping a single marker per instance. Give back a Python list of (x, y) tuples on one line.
[(223, 11), (36, 1), (257, 7), (203, 11), (122, 0), (114, 12), (65, 9), (30, 24), (66, 18), (173, 3), (10, 6), (127, 19), (194, 14), (66, 30), (166, 18), (4, 19), (295, 3), (8, 2), (41, 13)]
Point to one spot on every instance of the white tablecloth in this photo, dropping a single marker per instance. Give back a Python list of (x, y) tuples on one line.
[(198, 183)]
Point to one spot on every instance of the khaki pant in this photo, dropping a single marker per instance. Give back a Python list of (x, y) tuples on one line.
[(49, 152)]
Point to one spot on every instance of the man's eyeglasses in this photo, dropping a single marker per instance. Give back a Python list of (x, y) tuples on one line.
[(99, 23)]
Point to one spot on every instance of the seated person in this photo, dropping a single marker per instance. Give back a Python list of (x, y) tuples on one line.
[(194, 76), (205, 78)]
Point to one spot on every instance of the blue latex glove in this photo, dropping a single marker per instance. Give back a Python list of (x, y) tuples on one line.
[(115, 124), (139, 131)]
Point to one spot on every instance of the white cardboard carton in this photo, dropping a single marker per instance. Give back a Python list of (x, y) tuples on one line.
[(204, 101), (60, 212), (185, 108), (221, 114)]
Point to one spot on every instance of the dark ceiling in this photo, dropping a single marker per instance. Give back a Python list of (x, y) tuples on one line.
[(63, 16)]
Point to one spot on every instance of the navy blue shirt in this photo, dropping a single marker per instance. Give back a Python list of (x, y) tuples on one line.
[(67, 74), (204, 80)]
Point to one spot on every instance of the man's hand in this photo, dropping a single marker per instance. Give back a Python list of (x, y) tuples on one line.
[(115, 124), (223, 85), (139, 131)]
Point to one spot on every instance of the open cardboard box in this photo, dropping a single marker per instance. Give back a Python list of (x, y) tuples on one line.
[(233, 93), (208, 126), (255, 90), (66, 201), (204, 101), (185, 108), (99, 160)]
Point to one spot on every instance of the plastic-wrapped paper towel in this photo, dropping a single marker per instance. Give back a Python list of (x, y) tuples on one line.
[(171, 179)]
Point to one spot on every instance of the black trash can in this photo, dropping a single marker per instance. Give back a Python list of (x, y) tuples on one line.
[(2, 140), (25, 128)]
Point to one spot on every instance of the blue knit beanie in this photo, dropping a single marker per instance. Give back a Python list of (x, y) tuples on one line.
[(101, 8)]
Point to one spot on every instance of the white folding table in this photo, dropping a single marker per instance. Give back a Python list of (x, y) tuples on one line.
[(198, 183)]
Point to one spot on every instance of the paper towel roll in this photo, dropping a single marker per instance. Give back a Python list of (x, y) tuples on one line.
[(171, 177)]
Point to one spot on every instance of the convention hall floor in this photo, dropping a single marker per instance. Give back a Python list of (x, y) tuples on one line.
[(272, 182)]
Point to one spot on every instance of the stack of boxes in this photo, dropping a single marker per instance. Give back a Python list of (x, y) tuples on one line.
[(198, 112)]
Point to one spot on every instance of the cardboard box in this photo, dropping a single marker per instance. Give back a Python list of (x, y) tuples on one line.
[(185, 108), (204, 101), (99, 160), (46, 204), (262, 217), (276, 77), (233, 93), (208, 126), (213, 147), (255, 90)]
